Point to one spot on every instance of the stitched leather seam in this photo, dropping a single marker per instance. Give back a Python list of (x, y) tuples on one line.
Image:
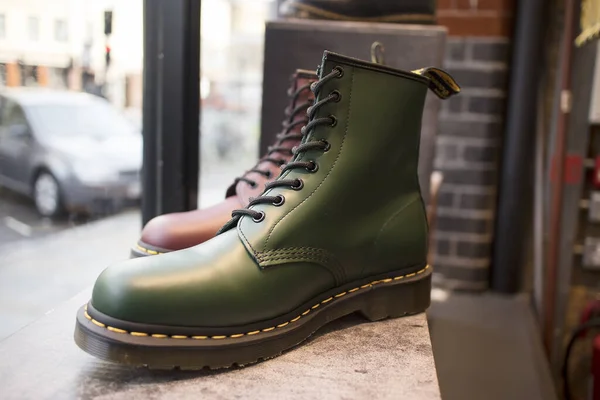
[(254, 252), (324, 259), (328, 172), (298, 250), (239, 335), (408, 75)]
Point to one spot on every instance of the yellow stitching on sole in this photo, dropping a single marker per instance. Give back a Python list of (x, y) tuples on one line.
[(117, 330), (161, 336), (148, 251), (100, 324)]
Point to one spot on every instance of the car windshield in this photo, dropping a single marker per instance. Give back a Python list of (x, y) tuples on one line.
[(88, 118)]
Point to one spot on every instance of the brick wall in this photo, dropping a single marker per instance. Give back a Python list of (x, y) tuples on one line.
[(470, 137)]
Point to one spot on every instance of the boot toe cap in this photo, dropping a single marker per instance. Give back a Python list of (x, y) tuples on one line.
[(178, 231)]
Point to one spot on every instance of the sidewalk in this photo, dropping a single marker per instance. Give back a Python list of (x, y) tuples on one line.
[(39, 274)]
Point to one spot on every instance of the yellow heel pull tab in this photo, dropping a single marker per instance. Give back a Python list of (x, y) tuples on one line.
[(440, 82)]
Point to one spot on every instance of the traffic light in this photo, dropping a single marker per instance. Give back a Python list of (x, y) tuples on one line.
[(108, 22), (107, 56)]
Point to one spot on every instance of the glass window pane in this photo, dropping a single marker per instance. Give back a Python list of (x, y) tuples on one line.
[(231, 91)]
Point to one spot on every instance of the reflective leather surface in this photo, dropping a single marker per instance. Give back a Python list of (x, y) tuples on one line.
[(360, 214), (178, 231)]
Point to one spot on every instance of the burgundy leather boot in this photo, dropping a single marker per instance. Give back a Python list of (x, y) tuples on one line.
[(178, 231)]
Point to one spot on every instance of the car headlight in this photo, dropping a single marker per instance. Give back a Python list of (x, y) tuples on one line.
[(91, 173)]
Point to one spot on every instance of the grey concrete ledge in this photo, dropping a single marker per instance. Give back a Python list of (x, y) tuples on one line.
[(348, 359)]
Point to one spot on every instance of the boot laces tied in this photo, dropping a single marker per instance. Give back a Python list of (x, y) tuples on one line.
[(306, 145), (284, 136)]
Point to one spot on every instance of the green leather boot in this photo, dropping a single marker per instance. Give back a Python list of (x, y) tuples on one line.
[(342, 230)]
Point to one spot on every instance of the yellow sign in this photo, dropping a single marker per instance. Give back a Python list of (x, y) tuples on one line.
[(590, 21)]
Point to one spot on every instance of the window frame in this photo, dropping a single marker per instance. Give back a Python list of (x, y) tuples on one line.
[(61, 35), (33, 21)]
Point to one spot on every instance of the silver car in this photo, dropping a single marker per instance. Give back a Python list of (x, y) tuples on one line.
[(69, 151)]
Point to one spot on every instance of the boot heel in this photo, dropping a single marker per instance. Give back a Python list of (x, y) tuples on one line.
[(398, 299)]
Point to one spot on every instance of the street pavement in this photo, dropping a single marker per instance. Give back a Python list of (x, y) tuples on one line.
[(20, 221), (44, 263)]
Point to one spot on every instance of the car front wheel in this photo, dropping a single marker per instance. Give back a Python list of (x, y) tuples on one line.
[(46, 195)]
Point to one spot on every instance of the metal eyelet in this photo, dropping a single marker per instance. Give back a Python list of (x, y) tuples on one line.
[(260, 218), (253, 185), (299, 185), (327, 145), (340, 71), (333, 120), (337, 95), (280, 201), (314, 168), (268, 174)]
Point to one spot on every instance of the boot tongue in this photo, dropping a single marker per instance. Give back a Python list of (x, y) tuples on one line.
[(243, 189)]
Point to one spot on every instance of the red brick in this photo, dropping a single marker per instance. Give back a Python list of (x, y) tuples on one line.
[(473, 24), (464, 5), (446, 4), (498, 5)]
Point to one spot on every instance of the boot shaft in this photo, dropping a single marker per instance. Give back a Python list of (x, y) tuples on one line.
[(360, 207), (378, 127)]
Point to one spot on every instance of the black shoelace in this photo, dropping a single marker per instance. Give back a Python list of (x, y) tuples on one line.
[(284, 136), (310, 166)]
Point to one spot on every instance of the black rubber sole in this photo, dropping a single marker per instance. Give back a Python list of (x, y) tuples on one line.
[(386, 298), (305, 11)]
